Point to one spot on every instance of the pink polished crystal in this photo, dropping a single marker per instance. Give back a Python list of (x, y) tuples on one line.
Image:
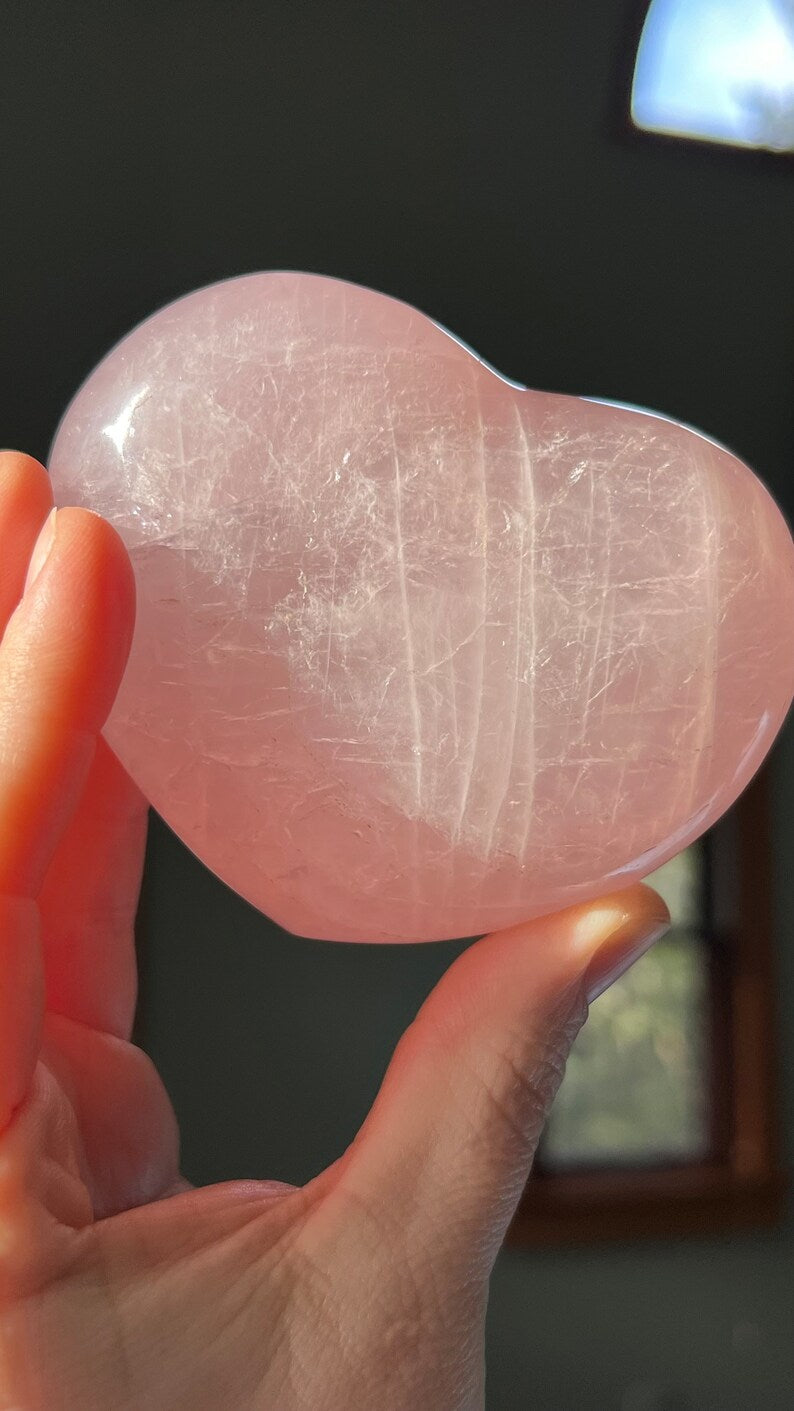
[(420, 654)]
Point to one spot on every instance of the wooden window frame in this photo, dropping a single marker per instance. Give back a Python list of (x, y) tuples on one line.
[(742, 1183)]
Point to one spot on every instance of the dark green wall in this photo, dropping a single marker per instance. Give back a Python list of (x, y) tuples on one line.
[(460, 157)]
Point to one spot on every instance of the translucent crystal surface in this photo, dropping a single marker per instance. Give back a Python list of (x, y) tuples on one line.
[(420, 654)]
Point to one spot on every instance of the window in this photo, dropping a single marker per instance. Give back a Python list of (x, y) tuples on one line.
[(719, 70), (636, 1089), (666, 1120)]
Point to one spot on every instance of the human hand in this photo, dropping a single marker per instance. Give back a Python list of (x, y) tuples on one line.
[(121, 1287)]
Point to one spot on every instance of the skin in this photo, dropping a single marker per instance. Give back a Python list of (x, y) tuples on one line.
[(123, 1287)]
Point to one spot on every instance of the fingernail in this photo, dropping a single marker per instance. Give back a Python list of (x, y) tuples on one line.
[(618, 941), (41, 550)]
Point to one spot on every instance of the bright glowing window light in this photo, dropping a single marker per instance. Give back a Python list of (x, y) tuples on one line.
[(718, 69)]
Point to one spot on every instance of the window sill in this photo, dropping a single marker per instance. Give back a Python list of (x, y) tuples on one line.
[(602, 1206)]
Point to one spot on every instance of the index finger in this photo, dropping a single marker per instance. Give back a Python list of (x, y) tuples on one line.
[(62, 656), (61, 661)]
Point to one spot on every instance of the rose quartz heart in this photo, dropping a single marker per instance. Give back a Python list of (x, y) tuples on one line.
[(420, 654)]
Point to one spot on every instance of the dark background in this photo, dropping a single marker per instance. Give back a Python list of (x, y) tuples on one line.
[(465, 158)]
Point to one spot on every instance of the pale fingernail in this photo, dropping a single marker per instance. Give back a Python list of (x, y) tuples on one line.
[(615, 941), (41, 550)]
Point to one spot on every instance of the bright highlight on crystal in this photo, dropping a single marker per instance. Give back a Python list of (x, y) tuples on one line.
[(420, 654)]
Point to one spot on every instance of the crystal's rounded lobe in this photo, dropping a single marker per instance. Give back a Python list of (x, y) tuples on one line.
[(419, 654)]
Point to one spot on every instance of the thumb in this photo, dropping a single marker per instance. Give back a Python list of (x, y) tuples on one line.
[(447, 1147)]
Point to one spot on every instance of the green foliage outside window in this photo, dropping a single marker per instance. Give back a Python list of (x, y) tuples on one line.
[(636, 1085)]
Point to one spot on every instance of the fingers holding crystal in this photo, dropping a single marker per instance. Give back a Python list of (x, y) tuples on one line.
[(61, 661), (25, 502), (62, 654), (89, 901)]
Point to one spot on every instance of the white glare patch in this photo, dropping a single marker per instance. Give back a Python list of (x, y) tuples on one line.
[(118, 430), (718, 69)]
